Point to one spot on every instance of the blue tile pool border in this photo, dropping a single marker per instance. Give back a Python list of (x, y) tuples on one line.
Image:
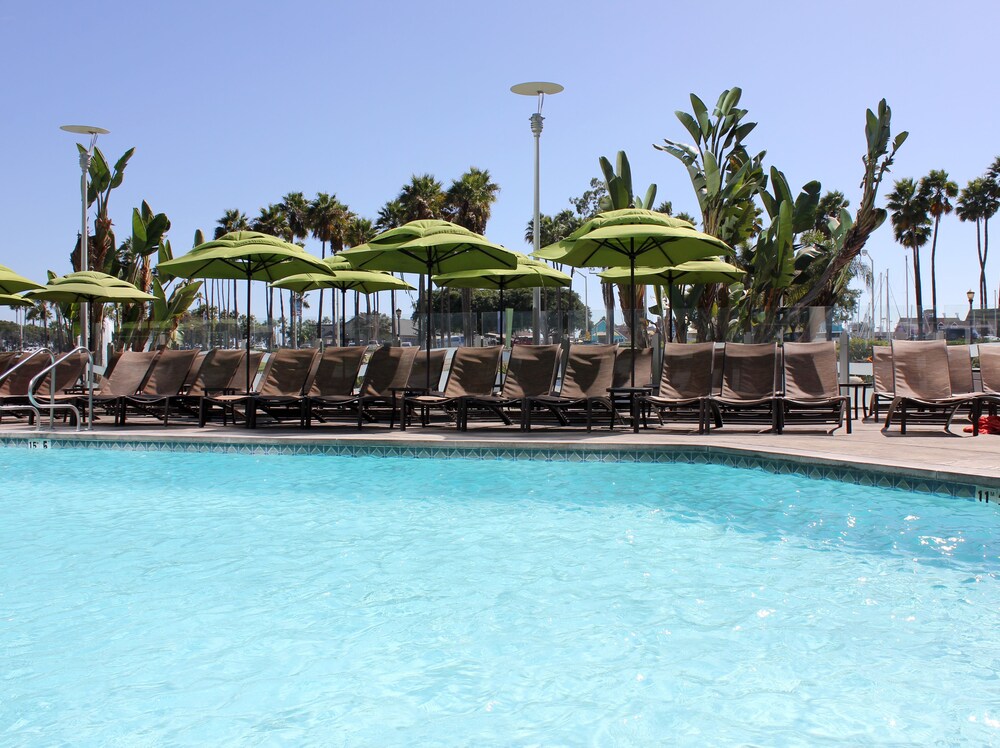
[(954, 485)]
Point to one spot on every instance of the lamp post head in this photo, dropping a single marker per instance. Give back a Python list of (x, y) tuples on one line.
[(399, 313), (84, 129), (970, 295)]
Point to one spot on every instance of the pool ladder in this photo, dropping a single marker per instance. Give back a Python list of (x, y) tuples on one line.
[(36, 406)]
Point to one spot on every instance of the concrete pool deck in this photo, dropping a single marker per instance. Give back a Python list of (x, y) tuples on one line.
[(924, 452)]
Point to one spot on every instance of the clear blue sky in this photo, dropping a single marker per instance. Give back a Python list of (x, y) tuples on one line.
[(233, 104)]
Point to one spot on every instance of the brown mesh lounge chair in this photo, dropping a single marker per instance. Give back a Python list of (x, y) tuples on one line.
[(589, 372), (287, 376), (335, 375), (922, 385), (685, 383), (67, 374), (238, 382), (881, 379), (216, 370), (163, 386), (531, 371), (473, 373), (128, 377), (643, 367), (418, 376), (989, 370), (7, 360), (749, 392), (15, 381), (960, 370), (388, 372), (811, 393)]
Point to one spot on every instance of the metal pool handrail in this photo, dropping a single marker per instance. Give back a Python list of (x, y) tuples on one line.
[(15, 367), (52, 405)]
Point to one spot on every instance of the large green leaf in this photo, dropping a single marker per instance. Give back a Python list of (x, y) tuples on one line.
[(689, 124), (713, 180), (120, 168)]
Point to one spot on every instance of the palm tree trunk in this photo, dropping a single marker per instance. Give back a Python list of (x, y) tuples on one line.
[(934, 315), (982, 262), (319, 313), (986, 252), (917, 292)]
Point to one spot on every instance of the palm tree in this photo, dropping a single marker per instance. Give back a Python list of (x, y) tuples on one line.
[(829, 206), (232, 220), (911, 227), (469, 202), (937, 190), (327, 218), (422, 198), (273, 220), (977, 203), (359, 230), (390, 215)]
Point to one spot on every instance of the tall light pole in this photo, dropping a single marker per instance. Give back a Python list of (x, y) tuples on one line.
[(85, 157), (539, 89), (971, 296)]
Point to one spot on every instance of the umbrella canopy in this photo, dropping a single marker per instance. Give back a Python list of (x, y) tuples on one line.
[(11, 282), (687, 273), (429, 247), (631, 237), (9, 299), (243, 255), (89, 286), (529, 273), (345, 278)]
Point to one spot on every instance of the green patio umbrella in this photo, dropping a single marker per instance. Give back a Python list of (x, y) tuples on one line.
[(632, 236), (11, 282), (243, 255), (91, 287), (429, 247), (529, 273), (687, 273), (342, 276), (12, 300)]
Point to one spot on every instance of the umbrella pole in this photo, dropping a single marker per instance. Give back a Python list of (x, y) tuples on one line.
[(429, 269), (248, 334), (670, 305), (343, 316), (503, 316), (631, 272)]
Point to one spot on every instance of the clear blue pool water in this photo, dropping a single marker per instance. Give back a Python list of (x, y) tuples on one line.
[(208, 599)]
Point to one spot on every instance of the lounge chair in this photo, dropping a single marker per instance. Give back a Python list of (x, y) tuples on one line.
[(881, 379), (129, 375), (589, 372), (473, 373), (69, 371), (989, 370), (286, 379), (960, 370), (7, 360), (418, 372), (685, 383), (811, 392), (643, 367), (922, 381), (386, 374), (238, 382), (749, 386), (215, 372), (531, 371), (163, 386), (15, 381)]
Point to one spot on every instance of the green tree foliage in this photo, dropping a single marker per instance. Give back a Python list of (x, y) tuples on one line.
[(911, 225), (937, 190)]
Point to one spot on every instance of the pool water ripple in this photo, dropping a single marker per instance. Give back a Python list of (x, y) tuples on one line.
[(232, 600)]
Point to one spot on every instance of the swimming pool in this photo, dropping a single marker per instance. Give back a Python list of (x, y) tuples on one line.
[(230, 599)]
